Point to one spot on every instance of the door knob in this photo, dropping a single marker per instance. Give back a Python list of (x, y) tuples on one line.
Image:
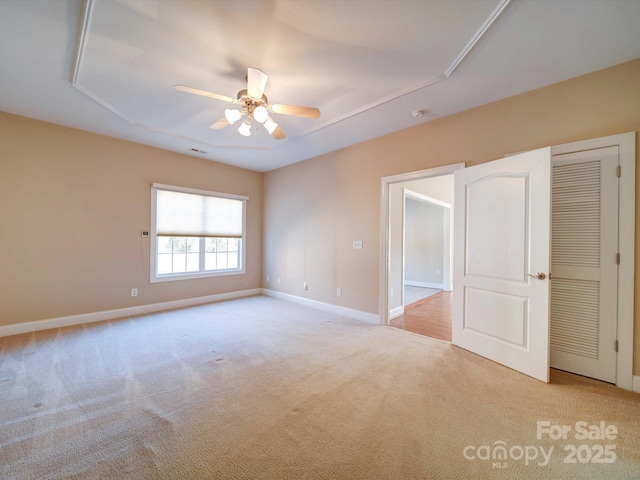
[(539, 276)]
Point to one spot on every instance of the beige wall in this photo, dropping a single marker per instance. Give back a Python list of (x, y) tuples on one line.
[(72, 208), (315, 209), (424, 242)]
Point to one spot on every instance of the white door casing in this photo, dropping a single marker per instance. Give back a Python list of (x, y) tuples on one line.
[(502, 235)]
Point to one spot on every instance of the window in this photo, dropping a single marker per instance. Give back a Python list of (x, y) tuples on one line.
[(195, 233)]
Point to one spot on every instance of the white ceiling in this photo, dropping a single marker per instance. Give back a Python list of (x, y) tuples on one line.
[(110, 66)]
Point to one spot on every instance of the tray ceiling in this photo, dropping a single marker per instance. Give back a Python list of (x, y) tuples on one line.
[(111, 67)]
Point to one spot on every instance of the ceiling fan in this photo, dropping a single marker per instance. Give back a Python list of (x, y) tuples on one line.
[(254, 104)]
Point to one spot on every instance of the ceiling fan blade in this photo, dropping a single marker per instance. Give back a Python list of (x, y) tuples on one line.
[(256, 82), (308, 112), (220, 124), (279, 134), (203, 93)]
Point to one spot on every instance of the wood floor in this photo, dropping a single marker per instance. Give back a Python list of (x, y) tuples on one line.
[(430, 316)]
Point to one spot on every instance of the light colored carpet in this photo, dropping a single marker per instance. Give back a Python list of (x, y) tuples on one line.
[(264, 389)]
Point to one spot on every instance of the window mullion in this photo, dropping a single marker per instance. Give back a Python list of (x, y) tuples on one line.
[(202, 244)]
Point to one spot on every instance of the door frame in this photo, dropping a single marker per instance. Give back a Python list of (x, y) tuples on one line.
[(385, 231), (626, 144)]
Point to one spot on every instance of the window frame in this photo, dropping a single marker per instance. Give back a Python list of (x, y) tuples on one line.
[(154, 277)]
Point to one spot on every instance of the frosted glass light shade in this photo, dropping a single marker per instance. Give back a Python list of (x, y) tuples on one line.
[(245, 129), (270, 125), (232, 115), (260, 114)]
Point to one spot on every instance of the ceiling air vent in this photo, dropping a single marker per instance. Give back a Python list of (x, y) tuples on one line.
[(197, 150)]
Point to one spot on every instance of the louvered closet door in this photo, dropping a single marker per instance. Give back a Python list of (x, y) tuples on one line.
[(584, 245)]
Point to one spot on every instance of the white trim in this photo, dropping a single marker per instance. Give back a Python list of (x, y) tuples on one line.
[(636, 383), (173, 277), (326, 307), (80, 52), (82, 38), (26, 327), (403, 240), (384, 225), (396, 312), (626, 143), (426, 173), (412, 283), (477, 36), (424, 198)]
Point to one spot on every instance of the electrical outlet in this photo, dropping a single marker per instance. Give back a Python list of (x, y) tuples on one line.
[(339, 292), (305, 286), (391, 293), (134, 292)]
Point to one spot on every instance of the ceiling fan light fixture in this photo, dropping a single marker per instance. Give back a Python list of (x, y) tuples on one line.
[(245, 128), (261, 114), (232, 115), (253, 104), (270, 125)]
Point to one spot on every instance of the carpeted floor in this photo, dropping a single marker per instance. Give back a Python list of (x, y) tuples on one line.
[(259, 388)]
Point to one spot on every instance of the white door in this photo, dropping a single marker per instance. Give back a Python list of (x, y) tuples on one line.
[(584, 246), (502, 235)]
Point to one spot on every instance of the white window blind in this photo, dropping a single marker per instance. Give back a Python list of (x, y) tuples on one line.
[(180, 213)]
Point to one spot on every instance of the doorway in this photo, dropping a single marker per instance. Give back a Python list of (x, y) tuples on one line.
[(419, 237), (426, 257)]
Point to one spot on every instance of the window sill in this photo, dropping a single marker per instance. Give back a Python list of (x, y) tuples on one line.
[(171, 277)]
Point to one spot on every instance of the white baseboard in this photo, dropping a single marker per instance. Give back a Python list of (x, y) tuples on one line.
[(636, 383), (396, 312), (26, 327), (326, 307), (439, 286)]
